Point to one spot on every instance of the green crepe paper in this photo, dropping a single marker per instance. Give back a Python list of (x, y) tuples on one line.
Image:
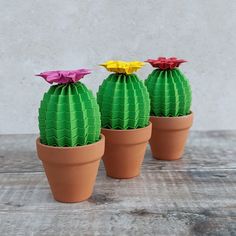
[(170, 93), (124, 102), (69, 116)]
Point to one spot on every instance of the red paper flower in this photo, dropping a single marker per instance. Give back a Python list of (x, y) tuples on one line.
[(164, 63)]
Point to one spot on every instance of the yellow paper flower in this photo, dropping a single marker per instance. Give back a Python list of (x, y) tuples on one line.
[(123, 66)]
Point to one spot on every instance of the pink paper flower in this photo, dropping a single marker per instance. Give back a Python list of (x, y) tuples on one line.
[(64, 76), (164, 63)]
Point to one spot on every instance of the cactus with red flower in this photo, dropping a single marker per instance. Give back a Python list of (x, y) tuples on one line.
[(169, 89)]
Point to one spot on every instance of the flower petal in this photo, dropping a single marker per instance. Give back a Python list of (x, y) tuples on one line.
[(122, 67), (64, 76), (164, 63)]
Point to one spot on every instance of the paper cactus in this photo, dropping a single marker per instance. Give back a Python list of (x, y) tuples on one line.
[(123, 98), (68, 113), (169, 89)]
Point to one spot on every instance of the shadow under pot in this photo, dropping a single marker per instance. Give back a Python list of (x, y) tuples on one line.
[(124, 151), (169, 135), (71, 171)]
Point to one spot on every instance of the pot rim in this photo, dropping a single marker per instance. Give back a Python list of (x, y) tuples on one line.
[(102, 137), (172, 117), (71, 155), (128, 137), (172, 123), (128, 130)]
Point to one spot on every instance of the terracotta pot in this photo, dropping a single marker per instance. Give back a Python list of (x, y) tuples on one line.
[(169, 135), (124, 151), (71, 171)]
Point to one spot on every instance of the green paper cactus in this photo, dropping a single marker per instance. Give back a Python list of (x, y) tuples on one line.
[(123, 98), (170, 91), (69, 115)]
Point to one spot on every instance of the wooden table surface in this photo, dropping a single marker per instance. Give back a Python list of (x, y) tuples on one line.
[(193, 196)]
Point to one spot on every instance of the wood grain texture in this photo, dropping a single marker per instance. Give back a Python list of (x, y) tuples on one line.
[(192, 196)]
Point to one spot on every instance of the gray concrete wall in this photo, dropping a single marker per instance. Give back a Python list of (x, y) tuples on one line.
[(39, 35)]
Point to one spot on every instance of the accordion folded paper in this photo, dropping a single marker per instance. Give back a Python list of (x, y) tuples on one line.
[(74, 105), (118, 95), (64, 76), (166, 63), (123, 67)]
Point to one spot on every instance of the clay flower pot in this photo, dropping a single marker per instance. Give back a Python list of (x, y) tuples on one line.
[(71, 171), (169, 135), (124, 151), (171, 97)]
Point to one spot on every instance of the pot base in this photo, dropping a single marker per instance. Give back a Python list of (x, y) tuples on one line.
[(122, 177), (73, 183), (168, 158)]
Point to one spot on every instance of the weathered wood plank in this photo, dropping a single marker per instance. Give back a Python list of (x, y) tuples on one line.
[(192, 196), (164, 203), (205, 150)]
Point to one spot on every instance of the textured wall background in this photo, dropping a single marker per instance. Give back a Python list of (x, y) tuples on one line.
[(39, 35)]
